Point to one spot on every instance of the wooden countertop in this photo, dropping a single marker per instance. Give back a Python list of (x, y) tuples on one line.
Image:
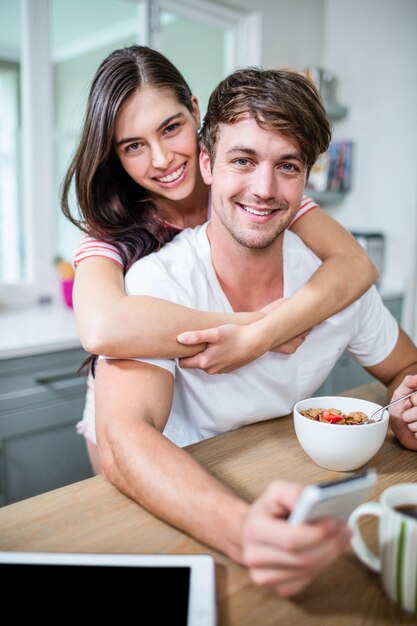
[(93, 516)]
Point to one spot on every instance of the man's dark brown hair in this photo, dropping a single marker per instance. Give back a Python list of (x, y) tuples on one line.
[(279, 100)]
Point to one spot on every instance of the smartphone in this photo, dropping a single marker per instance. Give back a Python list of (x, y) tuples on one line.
[(336, 498)]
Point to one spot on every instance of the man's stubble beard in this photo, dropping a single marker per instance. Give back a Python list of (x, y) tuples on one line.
[(246, 239)]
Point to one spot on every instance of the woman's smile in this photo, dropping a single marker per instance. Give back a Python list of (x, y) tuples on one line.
[(173, 177)]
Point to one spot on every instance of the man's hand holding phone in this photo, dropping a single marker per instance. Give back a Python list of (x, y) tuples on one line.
[(283, 556)]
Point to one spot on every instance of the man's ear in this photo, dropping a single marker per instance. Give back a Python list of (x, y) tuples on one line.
[(205, 167)]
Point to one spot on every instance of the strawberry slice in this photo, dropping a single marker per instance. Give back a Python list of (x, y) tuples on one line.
[(332, 418)]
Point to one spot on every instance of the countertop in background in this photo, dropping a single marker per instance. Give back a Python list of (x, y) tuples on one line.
[(36, 330), (50, 328)]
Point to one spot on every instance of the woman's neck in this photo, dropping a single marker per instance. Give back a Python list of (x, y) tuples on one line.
[(190, 211)]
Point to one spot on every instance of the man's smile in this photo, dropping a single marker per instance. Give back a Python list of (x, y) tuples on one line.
[(260, 212), (254, 211)]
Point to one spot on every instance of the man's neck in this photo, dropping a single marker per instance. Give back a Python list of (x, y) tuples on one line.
[(250, 278)]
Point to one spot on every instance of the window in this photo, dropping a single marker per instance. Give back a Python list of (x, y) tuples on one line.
[(83, 33), (11, 249), (11, 240), (43, 90)]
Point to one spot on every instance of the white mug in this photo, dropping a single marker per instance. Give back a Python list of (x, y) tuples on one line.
[(397, 559)]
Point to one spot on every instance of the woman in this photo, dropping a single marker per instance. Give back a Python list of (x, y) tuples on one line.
[(138, 184)]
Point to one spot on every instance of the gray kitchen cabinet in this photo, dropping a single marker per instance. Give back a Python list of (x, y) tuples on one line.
[(41, 399), (347, 373)]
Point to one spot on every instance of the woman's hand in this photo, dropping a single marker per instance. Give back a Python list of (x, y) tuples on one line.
[(229, 347)]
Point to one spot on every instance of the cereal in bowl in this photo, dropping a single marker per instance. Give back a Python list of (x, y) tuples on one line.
[(334, 416)]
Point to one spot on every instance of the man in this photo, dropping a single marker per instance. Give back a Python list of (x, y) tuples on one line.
[(262, 133)]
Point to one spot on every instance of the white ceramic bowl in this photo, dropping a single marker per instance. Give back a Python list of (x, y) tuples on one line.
[(341, 448)]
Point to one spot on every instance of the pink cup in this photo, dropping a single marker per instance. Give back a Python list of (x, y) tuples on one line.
[(66, 289)]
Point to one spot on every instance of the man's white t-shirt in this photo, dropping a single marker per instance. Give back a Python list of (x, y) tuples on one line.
[(205, 405)]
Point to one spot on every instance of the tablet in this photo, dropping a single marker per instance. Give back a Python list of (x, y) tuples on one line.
[(149, 588)]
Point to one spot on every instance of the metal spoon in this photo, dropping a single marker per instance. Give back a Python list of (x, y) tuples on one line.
[(371, 419)]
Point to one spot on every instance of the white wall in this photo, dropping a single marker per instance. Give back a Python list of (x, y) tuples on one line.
[(292, 33), (372, 46), (292, 30)]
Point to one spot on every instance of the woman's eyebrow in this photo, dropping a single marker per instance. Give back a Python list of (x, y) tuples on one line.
[(127, 140), (169, 120), (165, 122)]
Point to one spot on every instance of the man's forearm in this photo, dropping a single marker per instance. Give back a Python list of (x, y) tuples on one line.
[(167, 481), (398, 379)]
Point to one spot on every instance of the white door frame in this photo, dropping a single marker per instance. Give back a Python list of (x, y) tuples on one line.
[(242, 28)]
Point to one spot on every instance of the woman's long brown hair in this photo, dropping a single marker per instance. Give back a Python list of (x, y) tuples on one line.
[(110, 204)]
